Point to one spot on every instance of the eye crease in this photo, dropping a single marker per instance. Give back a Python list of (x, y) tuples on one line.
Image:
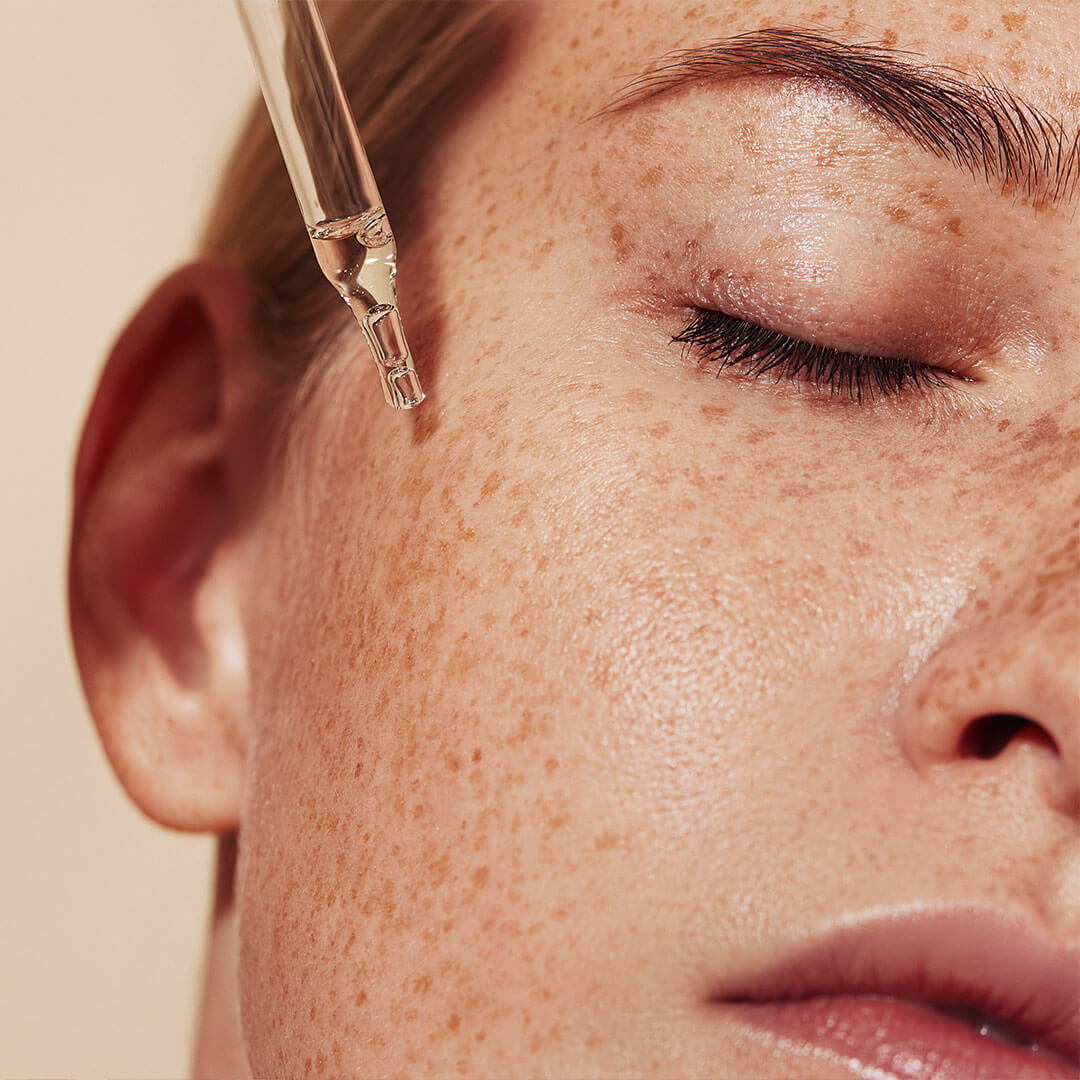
[(728, 342)]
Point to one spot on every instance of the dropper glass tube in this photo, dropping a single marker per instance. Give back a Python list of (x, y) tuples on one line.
[(330, 174)]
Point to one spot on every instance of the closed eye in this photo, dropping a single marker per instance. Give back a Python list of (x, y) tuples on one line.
[(724, 341)]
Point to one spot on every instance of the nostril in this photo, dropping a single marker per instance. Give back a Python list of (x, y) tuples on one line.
[(987, 736)]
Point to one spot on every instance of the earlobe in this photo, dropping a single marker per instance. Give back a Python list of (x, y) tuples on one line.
[(164, 490)]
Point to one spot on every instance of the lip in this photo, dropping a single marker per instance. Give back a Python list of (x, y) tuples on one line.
[(863, 993)]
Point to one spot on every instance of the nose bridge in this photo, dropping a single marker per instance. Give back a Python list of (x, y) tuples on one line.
[(1035, 576), (1025, 631)]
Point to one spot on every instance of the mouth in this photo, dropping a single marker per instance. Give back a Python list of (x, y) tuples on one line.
[(887, 1037), (947, 995), (990, 1027)]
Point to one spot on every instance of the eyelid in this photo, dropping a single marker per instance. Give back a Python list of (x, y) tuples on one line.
[(756, 350)]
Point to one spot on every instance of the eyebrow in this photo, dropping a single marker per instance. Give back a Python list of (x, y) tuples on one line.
[(981, 128)]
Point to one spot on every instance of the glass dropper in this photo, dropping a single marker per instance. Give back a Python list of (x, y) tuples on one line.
[(330, 174)]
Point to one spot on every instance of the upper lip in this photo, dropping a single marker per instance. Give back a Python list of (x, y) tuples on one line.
[(998, 964)]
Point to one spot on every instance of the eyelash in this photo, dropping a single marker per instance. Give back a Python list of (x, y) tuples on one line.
[(719, 337)]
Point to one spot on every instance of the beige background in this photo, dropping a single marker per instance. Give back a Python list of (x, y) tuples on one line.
[(114, 115)]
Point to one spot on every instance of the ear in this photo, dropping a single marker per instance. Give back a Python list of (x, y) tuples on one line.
[(167, 481)]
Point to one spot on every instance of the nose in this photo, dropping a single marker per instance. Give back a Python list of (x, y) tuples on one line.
[(1001, 700)]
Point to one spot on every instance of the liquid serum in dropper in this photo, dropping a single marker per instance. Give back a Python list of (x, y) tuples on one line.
[(332, 179)]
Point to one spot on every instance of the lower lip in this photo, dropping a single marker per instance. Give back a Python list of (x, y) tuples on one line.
[(886, 1037)]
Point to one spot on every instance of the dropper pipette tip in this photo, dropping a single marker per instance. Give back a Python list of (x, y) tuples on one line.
[(386, 340), (333, 181)]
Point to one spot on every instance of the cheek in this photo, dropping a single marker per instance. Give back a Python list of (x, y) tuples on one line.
[(586, 612)]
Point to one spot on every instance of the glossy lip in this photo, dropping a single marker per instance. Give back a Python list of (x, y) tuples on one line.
[(976, 957)]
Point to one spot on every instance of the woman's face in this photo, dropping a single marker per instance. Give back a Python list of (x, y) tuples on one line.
[(613, 675)]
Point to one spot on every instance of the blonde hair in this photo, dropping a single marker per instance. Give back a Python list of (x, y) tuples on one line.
[(401, 64)]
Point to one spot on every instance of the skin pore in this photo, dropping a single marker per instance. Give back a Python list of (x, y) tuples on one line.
[(608, 674)]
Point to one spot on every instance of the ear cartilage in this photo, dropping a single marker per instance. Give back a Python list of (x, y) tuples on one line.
[(333, 182)]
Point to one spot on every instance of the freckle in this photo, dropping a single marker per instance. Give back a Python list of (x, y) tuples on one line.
[(453, 763), (620, 240), (1004, 425), (860, 548), (477, 754), (551, 764), (929, 197), (959, 22), (524, 729), (638, 400), (713, 413), (1013, 20), (606, 841), (1043, 430), (454, 1022), (491, 484), (898, 213), (953, 226), (545, 248), (757, 434), (661, 430), (1037, 604), (1016, 65)]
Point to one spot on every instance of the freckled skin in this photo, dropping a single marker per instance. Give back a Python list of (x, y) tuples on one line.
[(601, 677)]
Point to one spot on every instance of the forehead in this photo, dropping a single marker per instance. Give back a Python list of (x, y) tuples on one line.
[(579, 53)]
